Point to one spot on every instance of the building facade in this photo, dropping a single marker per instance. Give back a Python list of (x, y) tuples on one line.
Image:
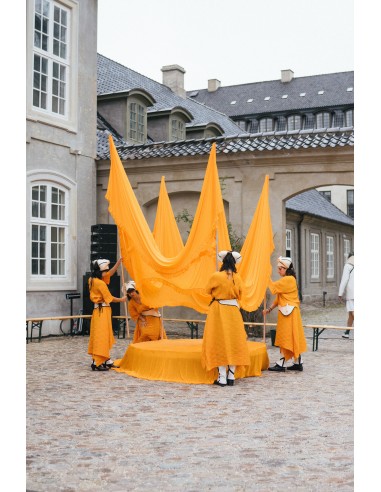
[(60, 151)]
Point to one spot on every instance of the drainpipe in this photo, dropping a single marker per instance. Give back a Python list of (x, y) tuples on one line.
[(300, 257)]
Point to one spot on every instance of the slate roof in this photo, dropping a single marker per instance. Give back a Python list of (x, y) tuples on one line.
[(334, 85), (302, 139), (311, 202), (113, 77)]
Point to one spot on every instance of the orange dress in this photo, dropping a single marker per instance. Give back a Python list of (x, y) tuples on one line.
[(289, 332), (101, 334), (225, 340), (152, 329)]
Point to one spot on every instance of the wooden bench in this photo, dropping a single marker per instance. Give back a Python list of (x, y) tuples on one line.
[(319, 329), (193, 324)]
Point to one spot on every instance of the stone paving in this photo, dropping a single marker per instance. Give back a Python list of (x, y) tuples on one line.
[(111, 432)]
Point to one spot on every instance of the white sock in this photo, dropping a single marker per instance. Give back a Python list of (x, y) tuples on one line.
[(297, 361), (231, 369), (280, 362), (222, 374)]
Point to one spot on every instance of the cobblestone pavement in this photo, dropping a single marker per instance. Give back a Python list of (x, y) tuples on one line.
[(111, 432)]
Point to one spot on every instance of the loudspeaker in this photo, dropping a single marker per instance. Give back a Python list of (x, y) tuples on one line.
[(114, 288), (104, 242)]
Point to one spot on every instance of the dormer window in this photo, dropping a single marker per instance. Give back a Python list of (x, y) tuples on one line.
[(266, 125), (137, 122), (294, 122), (177, 129), (323, 120), (349, 117)]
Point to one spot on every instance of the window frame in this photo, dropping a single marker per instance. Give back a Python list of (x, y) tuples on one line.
[(34, 113), (266, 120), (330, 257), (293, 118), (346, 248), (315, 256), (177, 130), (49, 281), (323, 114), (140, 123), (351, 203), (349, 115), (289, 243)]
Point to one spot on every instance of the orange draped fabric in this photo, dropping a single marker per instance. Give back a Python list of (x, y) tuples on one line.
[(165, 230), (255, 267), (163, 281)]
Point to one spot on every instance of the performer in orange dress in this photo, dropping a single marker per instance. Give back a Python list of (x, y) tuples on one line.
[(148, 320), (101, 335), (289, 333), (224, 343)]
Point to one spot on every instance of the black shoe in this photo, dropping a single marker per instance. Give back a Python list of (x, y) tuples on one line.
[(346, 335), (218, 383), (101, 367), (109, 366), (295, 367), (230, 382), (277, 368)]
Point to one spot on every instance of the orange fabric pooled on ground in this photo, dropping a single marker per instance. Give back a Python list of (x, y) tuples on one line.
[(180, 361)]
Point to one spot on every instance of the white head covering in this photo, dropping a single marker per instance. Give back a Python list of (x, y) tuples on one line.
[(129, 285), (284, 261), (103, 264), (221, 255)]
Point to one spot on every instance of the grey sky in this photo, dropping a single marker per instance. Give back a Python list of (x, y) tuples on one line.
[(235, 41)]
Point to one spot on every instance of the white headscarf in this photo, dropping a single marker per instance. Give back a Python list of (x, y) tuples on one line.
[(284, 261), (237, 257)]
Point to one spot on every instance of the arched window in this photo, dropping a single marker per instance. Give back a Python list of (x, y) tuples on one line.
[(49, 227), (51, 232)]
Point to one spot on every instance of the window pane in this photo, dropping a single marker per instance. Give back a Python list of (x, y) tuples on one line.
[(61, 267), (34, 233), (54, 250), (53, 234), (34, 249), (34, 267), (54, 267), (42, 267), (43, 233), (42, 250), (61, 235), (43, 210), (34, 209)]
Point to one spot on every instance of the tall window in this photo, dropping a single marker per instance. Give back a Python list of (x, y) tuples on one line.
[(49, 227), (177, 129), (330, 257), (137, 118), (351, 203), (266, 125), (288, 243), (294, 122), (349, 117), (323, 120), (347, 248), (315, 256), (51, 57)]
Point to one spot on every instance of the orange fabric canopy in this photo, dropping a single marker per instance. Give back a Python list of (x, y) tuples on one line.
[(163, 281), (175, 275)]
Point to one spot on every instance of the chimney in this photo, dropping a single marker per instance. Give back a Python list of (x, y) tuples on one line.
[(213, 85), (286, 75), (173, 77)]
